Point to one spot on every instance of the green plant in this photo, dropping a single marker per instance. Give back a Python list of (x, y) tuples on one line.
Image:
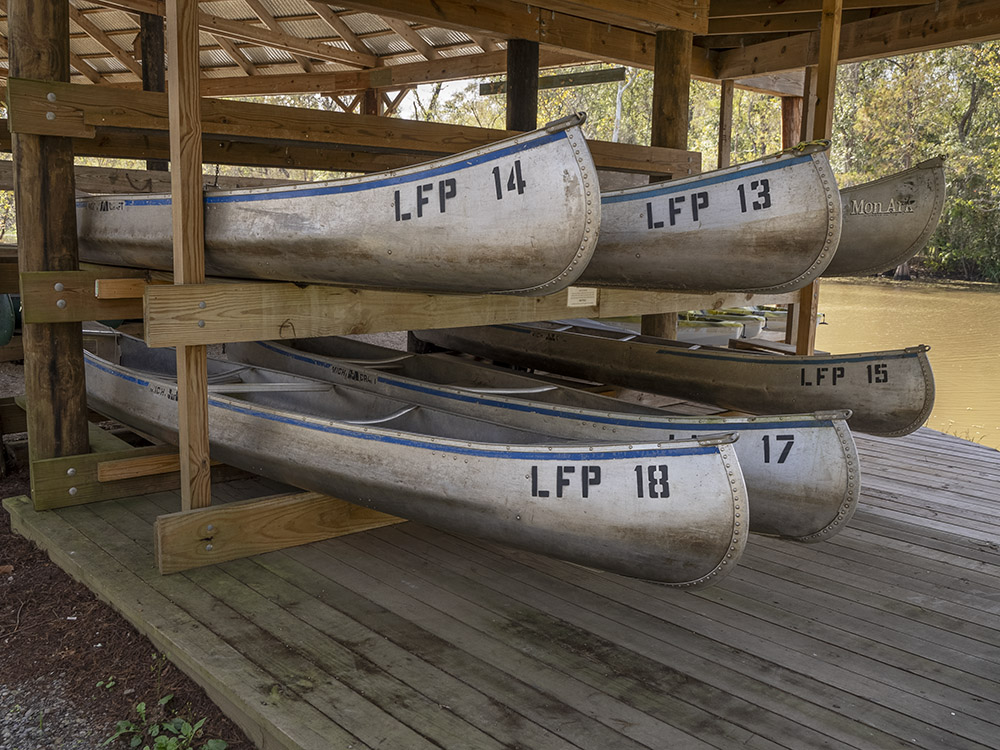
[(162, 733), (108, 683)]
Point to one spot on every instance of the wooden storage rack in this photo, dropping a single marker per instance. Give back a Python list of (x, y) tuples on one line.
[(192, 313)]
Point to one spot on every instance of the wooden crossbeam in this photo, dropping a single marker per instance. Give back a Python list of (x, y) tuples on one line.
[(99, 36), (943, 24), (273, 24), (410, 35), (340, 26), (238, 57), (648, 15), (259, 311), (79, 109), (68, 297), (218, 26), (736, 8), (212, 535)]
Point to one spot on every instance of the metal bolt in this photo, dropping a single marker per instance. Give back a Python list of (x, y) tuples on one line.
[(208, 547), (71, 472), (51, 96), (60, 303), (73, 490), (58, 286), (210, 528), (201, 323), (50, 115), (202, 305)]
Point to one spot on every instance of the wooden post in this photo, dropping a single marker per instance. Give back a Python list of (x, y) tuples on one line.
[(826, 85), (808, 103), (372, 102), (189, 243), (791, 121), (151, 43), (726, 123), (791, 134), (522, 85), (669, 126), (45, 199)]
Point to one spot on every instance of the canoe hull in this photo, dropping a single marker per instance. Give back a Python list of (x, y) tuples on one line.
[(801, 471), (888, 221), (768, 226), (441, 226), (682, 524), (889, 393)]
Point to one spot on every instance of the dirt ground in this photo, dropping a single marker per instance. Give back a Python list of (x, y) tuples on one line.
[(70, 667)]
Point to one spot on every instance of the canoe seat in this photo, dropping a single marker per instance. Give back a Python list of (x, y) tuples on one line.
[(381, 420)]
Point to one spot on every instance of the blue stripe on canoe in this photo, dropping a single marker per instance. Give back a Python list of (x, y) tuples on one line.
[(337, 189), (599, 455), (766, 359), (667, 188), (536, 408)]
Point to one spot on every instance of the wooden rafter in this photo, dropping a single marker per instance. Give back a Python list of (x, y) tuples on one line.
[(410, 35), (946, 23), (778, 23), (486, 44), (734, 8), (237, 30), (268, 19), (340, 26), (645, 15), (99, 36), (238, 57), (446, 69)]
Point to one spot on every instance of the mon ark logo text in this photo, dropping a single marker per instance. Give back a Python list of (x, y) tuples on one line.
[(878, 208)]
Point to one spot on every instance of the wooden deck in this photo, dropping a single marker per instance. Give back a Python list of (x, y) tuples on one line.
[(887, 636)]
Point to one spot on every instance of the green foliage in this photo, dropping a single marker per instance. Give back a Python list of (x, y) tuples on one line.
[(158, 731)]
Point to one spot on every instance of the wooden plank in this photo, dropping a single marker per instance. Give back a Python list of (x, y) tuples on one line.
[(80, 112), (207, 536), (647, 15), (119, 288), (246, 692), (826, 70), (9, 283), (252, 312), (157, 462), (189, 244), (46, 219), (62, 296), (12, 416), (930, 26), (12, 350)]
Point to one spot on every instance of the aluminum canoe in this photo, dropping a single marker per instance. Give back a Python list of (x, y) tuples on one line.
[(441, 226), (888, 221), (889, 393), (668, 512), (771, 225), (801, 470)]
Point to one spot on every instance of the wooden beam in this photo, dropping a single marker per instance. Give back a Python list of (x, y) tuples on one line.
[(336, 23), (647, 15), (272, 23), (79, 111), (944, 24), (522, 85), (68, 296), (212, 535), (152, 45), (238, 57), (218, 26), (46, 219), (736, 8), (258, 311), (725, 124), (791, 121), (444, 69), (99, 36), (411, 37), (189, 244), (579, 78), (669, 127)]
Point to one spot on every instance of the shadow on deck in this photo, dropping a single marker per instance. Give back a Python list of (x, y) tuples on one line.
[(406, 637)]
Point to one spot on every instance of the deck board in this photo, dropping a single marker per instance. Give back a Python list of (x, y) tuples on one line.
[(886, 636)]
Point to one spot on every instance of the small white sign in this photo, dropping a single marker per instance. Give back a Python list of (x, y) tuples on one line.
[(581, 296)]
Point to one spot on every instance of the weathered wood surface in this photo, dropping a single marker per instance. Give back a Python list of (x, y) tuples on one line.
[(885, 637)]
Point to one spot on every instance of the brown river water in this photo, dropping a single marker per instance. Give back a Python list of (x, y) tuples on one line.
[(961, 324)]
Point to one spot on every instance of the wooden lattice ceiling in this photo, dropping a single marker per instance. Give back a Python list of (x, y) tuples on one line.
[(295, 46)]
